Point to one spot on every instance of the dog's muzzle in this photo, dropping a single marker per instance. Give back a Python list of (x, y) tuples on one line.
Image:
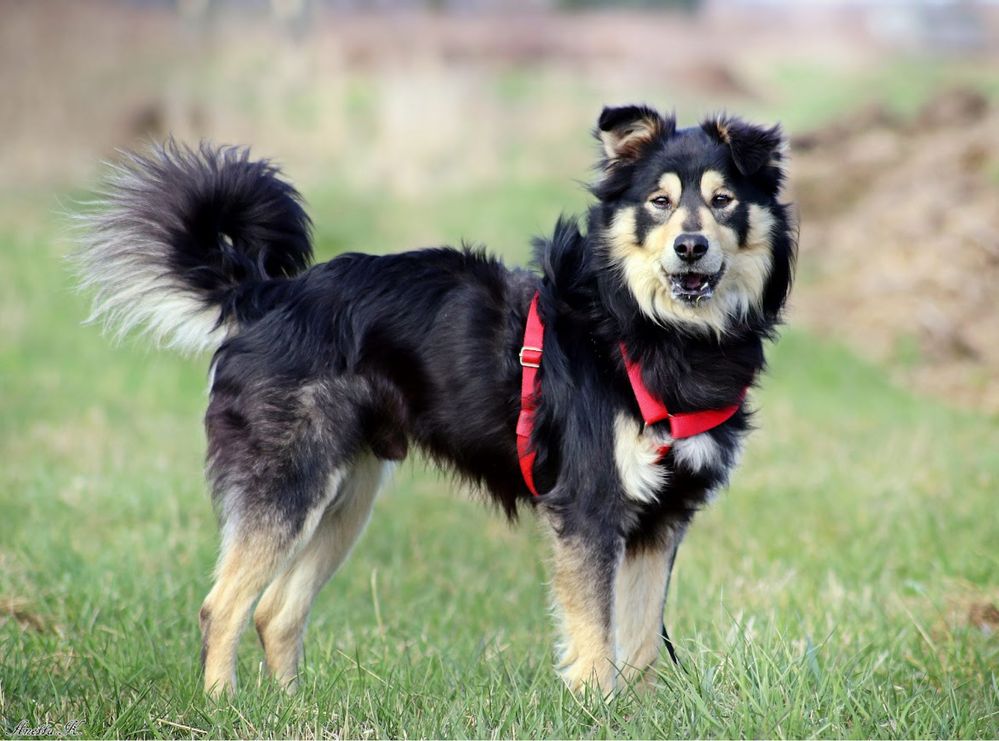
[(694, 269)]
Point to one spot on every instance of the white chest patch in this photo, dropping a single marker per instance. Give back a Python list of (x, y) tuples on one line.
[(637, 455), (698, 453)]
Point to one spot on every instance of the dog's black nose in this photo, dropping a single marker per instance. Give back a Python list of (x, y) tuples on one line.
[(690, 247)]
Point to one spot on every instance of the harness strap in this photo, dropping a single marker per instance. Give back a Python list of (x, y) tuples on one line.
[(652, 409), (530, 361), (681, 425)]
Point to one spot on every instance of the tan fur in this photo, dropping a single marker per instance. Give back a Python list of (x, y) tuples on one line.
[(639, 600), (747, 266), (749, 270), (626, 142), (641, 268), (587, 649), (713, 182), (281, 616), (670, 186), (245, 568), (251, 558), (721, 126)]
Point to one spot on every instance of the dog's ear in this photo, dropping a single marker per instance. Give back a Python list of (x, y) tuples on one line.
[(625, 131), (752, 147)]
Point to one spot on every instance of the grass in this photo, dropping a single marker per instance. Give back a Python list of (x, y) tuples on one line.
[(826, 594), (811, 94)]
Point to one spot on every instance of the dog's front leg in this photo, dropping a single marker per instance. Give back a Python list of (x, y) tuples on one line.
[(585, 567), (639, 598)]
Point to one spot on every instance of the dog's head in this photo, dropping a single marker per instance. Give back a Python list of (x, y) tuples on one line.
[(690, 218)]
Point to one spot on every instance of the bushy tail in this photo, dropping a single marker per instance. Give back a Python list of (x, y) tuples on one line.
[(186, 243)]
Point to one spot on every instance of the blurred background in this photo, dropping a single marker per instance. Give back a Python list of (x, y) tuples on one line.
[(404, 114), (855, 555)]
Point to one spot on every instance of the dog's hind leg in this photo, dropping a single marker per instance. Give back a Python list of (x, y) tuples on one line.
[(248, 562), (283, 612), (278, 456), (640, 598), (256, 546), (584, 573)]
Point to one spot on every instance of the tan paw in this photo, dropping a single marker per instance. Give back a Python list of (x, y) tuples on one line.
[(592, 675)]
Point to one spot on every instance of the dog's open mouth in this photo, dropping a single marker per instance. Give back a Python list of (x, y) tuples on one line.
[(693, 287)]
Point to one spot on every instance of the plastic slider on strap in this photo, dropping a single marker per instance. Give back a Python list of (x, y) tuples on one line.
[(530, 357)]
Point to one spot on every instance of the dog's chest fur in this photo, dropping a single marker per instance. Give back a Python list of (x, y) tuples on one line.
[(644, 470), (593, 419), (591, 437)]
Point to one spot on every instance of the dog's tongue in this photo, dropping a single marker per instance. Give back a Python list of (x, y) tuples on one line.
[(693, 281)]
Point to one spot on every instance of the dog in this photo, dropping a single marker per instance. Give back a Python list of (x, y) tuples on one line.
[(323, 375)]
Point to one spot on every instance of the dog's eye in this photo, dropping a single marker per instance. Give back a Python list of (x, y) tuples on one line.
[(721, 200), (662, 202)]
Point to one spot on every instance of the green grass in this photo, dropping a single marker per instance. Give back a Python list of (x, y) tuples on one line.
[(810, 94), (825, 594)]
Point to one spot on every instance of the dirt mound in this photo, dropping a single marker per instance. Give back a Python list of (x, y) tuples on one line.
[(900, 242)]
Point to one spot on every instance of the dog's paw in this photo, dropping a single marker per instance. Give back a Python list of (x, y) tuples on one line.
[(220, 688), (584, 676)]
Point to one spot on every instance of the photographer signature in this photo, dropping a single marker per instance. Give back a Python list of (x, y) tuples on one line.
[(69, 728)]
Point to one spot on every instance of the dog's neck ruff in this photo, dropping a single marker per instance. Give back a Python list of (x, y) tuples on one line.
[(681, 425)]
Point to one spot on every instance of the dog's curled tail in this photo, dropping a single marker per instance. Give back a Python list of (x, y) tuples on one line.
[(189, 243)]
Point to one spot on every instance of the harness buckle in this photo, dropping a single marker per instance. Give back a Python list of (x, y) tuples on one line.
[(533, 359)]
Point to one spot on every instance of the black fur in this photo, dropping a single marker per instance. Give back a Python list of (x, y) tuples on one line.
[(372, 352), (210, 230), (231, 221)]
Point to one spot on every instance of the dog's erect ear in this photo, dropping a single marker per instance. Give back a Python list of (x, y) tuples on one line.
[(625, 131), (752, 147)]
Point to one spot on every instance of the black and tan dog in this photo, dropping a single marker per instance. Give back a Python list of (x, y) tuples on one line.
[(323, 375)]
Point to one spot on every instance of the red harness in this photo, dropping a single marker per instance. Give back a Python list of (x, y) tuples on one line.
[(683, 424)]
